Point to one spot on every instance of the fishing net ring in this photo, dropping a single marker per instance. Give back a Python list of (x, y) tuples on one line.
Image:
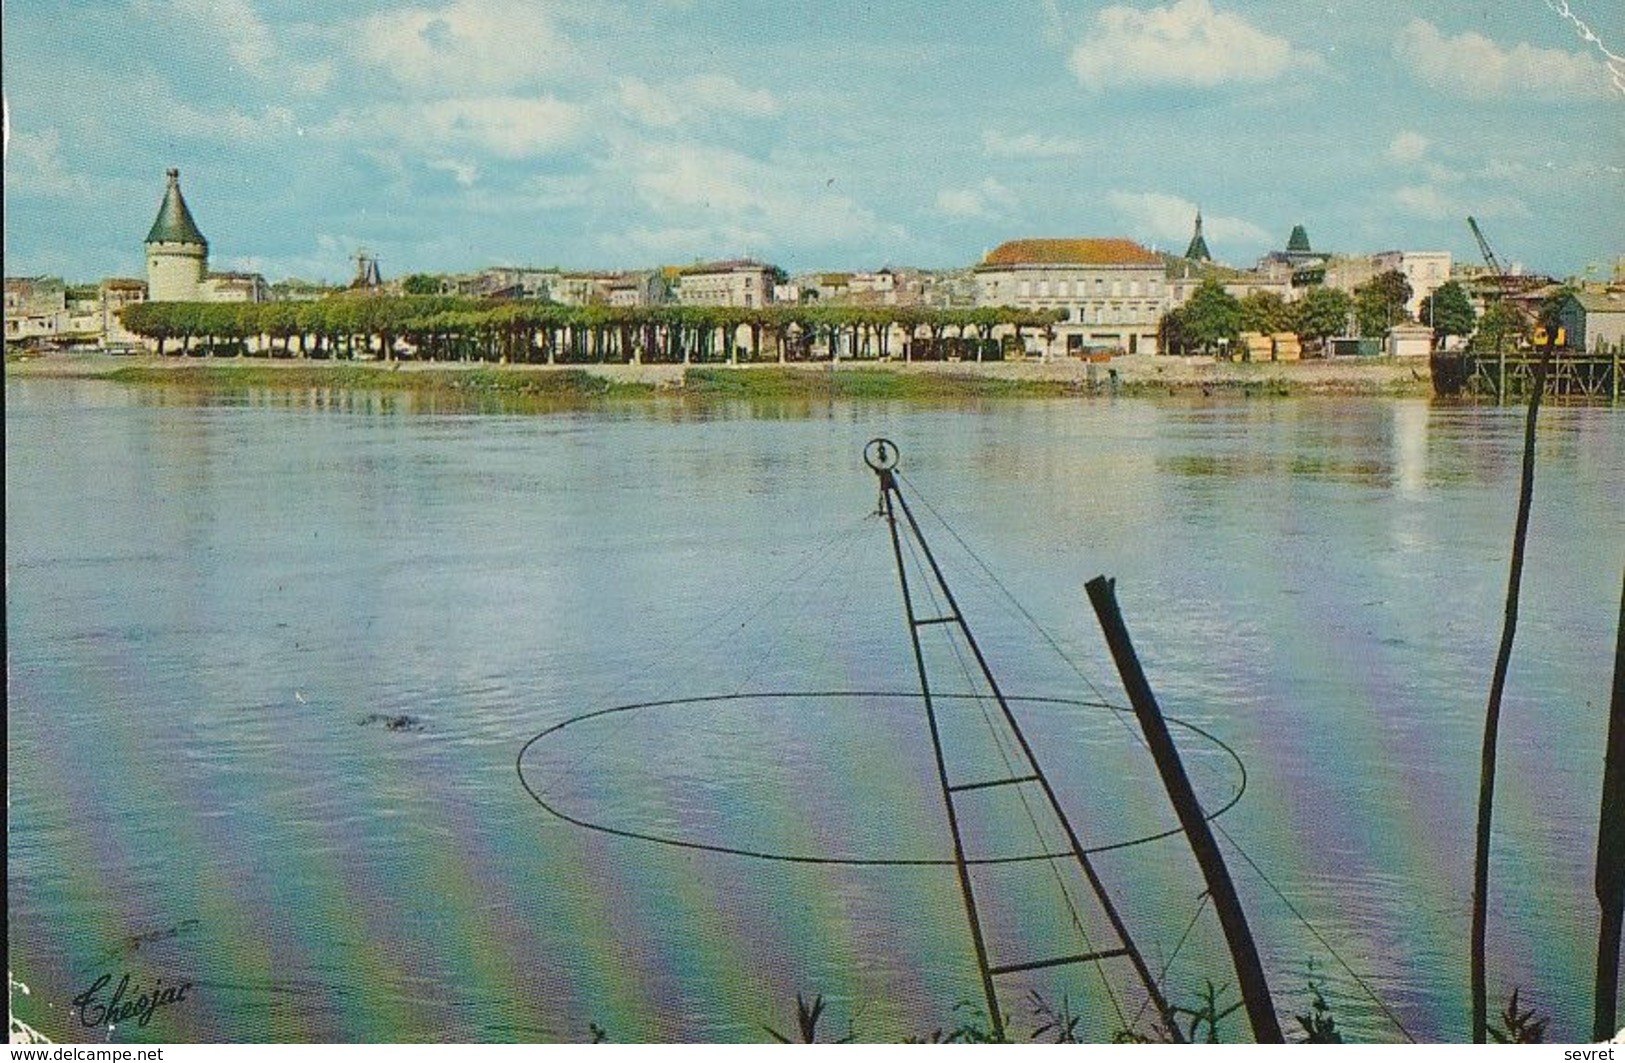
[(880, 454), (538, 792)]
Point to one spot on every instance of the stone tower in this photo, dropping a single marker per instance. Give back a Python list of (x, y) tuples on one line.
[(177, 253)]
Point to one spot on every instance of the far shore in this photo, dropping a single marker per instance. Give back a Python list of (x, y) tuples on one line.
[(1132, 375)]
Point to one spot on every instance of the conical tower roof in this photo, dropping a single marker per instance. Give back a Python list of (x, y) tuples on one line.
[(1299, 240), (174, 224), (1197, 251)]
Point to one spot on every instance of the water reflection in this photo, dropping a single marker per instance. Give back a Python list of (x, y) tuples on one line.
[(206, 599)]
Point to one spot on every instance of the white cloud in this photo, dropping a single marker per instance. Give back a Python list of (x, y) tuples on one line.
[(1407, 146), (462, 171), (1429, 202), (1186, 44), (248, 41), (1170, 220), (228, 123), (1030, 145), (513, 127), (36, 165), (729, 202), (989, 199), (466, 46), (694, 98), (1472, 66)]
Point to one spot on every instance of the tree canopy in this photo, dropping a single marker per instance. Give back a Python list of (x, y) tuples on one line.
[(1501, 326), (1449, 312), (1265, 312), (1379, 303), (527, 330), (1209, 316), (1321, 313)]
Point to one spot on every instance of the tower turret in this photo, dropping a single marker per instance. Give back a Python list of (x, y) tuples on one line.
[(177, 253)]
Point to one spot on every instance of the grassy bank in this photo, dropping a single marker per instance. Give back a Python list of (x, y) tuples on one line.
[(561, 384), (927, 382)]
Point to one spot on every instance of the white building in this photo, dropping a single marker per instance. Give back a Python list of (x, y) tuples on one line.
[(36, 308), (735, 282), (1112, 292), (1425, 270)]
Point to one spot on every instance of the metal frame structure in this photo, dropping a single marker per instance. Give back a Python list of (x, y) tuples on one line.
[(881, 456)]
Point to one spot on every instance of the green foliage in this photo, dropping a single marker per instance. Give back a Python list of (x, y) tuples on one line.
[(1321, 313), (1056, 1024), (1319, 1027), (1552, 306), (1448, 311), (1500, 327), (1379, 303), (421, 284), (807, 1016), (973, 1028), (1209, 1014), (448, 327), (1519, 1027), (1210, 315), (1265, 312)]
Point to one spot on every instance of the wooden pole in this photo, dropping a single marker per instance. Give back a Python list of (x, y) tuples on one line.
[(1492, 716), (1611, 849), (1255, 990)]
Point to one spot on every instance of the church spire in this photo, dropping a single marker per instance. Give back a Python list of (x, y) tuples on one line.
[(1197, 251)]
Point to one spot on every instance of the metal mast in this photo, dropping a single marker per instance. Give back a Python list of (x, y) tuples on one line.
[(881, 456)]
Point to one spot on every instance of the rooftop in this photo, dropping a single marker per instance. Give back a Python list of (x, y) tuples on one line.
[(732, 265), (1601, 302), (1084, 252), (174, 224)]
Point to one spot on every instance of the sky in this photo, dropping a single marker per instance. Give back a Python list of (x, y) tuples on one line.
[(448, 135)]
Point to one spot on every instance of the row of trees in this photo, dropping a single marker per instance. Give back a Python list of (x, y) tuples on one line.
[(1213, 318), (460, 329)]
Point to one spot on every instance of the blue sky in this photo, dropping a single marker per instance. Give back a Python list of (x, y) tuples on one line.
[(444, 135)]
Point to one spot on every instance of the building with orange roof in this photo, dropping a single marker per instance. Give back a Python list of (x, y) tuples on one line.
[(1112, 292)]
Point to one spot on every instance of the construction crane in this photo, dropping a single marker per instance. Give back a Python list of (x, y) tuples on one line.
[(1484, 248), (1503, 279)]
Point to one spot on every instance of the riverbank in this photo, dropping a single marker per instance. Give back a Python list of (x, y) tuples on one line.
[(1136, 375)]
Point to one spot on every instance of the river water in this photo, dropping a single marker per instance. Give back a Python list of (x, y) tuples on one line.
[(274, 656)]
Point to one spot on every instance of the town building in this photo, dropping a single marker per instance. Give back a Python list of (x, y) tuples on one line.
[(234, 288), (36, 309), (638, 288), (1425, 270), (944, 289), (582, 288), (1593, 320), (1111, 292), (736, 282), (116, 294)]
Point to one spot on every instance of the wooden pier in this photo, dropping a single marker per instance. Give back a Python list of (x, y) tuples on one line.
[(1508, 376)]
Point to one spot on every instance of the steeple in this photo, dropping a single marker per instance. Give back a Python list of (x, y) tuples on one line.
[(1299, 240), (1197, 251), (174, 224)]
